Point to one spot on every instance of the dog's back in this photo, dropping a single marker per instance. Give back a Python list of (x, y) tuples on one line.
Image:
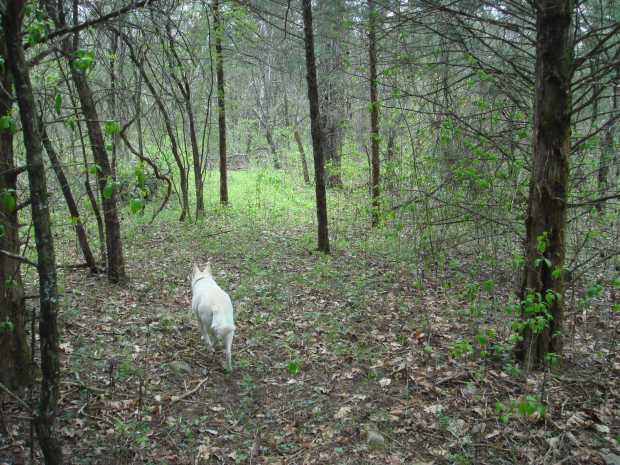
[(213, 308), (212, 303)]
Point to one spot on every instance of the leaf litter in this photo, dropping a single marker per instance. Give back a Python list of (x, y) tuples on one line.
[(336, 360)]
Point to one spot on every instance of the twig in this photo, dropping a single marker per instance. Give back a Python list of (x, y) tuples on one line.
[(95, 21), (189, 393), (84, 386), (19, 258), (14, 396)]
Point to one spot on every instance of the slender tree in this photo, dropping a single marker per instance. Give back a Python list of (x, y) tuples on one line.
[(46, 260), (105, 174), (543, 282), (14, 348), (65, 187), (179, 73), (374, 111), (300, 146), (313, 98), (221, 103)]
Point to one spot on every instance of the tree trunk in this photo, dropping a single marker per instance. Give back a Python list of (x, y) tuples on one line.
[(114, 246), (185, 89), (105, 174), (221, 105), (14, 348), (300, 145), (272, 148), (87, 185), (332, 102), (196, 156), (543, 283), (607, 144), (302, 154), (313, 98), (69, 199), (48, 290), (374, 112)]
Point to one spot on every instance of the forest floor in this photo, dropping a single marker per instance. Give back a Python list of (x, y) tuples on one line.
[(348, 359)]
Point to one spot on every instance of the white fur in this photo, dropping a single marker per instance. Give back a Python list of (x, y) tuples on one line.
[(214, 310)]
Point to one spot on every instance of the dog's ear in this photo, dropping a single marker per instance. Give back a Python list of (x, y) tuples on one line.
[(196, 270), (207, 269)]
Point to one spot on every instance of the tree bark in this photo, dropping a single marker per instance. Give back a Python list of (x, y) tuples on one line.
[(14, 348), (300, 145), (374, 112), (46, 261), (185, 89), (313, 98), (543, 281), (332, 102), (114, 245), (70, 200), (221, 103)]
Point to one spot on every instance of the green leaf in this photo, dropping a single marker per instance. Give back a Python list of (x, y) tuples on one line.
[(293, 367), (139, 173), (108, 190), (70, 123), (136, 205), (93, 169), (111, 127), (58, 103), (84, 60), (8, 201), (6, 327), (7, 123)]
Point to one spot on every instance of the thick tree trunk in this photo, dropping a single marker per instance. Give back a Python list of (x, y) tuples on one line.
[(221, 103), (70, 200), (315, 118), (543, 284), (14, 349), (374, 112), (48, 290)]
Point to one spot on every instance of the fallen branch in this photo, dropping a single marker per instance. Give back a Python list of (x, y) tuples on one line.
[(175, 399)]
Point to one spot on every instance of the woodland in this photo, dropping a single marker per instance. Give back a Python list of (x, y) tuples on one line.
[(414, 206)]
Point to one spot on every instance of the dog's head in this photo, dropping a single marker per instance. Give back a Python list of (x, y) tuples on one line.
[(197, 274)]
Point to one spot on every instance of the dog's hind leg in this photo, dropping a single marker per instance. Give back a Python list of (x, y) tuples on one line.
[(228, 338), (204, 329)]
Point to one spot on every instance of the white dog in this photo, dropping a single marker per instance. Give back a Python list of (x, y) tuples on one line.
[(214, 310)]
